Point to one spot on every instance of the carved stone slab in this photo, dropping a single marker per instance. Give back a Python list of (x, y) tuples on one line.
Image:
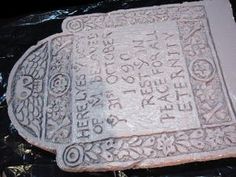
[(129, 89)]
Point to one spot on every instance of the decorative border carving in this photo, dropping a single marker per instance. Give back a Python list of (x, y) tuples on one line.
[(208, 90), (58, 113), (154, 146), (53, 58)]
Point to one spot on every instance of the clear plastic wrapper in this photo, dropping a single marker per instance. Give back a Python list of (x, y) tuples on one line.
[(20, 159)]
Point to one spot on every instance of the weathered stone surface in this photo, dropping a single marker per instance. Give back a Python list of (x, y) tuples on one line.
[(129, 89)]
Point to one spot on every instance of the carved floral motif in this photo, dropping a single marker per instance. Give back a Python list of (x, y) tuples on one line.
[(58, 113), (154, 146)]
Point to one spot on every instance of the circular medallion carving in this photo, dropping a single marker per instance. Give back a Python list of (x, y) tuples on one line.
[(73, 155), (202, 69), (59, 84), (74, 25)]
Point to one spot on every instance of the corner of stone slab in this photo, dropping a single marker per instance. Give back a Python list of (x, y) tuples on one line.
[(59, 158), (69, 157)]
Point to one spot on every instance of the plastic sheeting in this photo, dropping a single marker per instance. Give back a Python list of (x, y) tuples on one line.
[(20, 159)]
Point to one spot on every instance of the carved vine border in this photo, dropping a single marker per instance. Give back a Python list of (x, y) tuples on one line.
[(150, 146), (171, 143)]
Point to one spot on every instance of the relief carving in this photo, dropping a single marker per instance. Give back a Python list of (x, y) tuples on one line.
[(28, 95), (74, 90), (154, 146), (58, 114)]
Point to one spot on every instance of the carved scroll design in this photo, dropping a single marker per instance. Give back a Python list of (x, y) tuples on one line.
[(150, 146), (58, 114), (28, 90)]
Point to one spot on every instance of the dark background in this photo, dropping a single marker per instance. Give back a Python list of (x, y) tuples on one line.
[(22, 24), (16, 8)]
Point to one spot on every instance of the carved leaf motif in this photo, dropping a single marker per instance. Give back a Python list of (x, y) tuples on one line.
[(181, 136), (230, 135), (107, 156), (119, 144), (35, 126), (31, 108), (20, 116), (133, 154), (230, 139), (197, 143), (36, 112), (88, 147), (20, 106), (214, 137), (40, 101), (135, 141), (87, 159), (166, 144), (197, 134), (122, 154), (181, 148), (108, 144), (25, 113), (149, 142), (148, 151), (139, 150), (37, 62), (91, 155), (183, 143), (96, 149)]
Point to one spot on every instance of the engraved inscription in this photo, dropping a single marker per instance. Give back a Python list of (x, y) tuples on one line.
[(131, 80)]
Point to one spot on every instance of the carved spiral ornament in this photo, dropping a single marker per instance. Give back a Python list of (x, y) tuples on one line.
[(73, 155), (74, 25)]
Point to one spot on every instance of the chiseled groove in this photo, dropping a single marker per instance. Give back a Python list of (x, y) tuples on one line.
[(73, 122), (46, 92)]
